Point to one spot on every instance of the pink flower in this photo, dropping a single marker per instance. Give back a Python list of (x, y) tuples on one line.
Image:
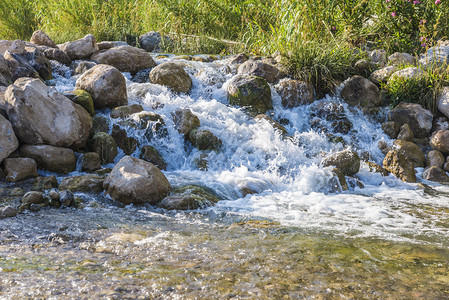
[(437, 2), (416, 2), (393, 14)]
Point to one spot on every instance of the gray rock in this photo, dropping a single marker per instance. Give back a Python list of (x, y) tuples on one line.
[(435, 158), (173, 76), (397, 163), (5, 72), (257, 68), (250, 92), (443, 101), (381, 76), (295, 92), (379, 57), (134, 180), (408, 74), (440, 141), (153, 41), (84, 183), (8, 140), (125, 111), (204, 140), (125, 58), (41, 115), (418, 118), (19, 168), (391, 129), (360, 91), (347, 161), (185, 121), (41, 38), (105, 146), (79, 67), (106, 85), (435, 174), (66, 197), (54, 159), (150, 154), (405, 133), (8, 212), (105, 45), (397, 59), (80, 49)]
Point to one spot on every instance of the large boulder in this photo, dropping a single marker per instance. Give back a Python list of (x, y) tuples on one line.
[(134, 180), (443, 101), (173, 76), (397, 163), (19, 168), (5, 72), (418, 118), (41, 38), (41, 115), (185, 121), (257, 68), (8, 140), (411, 151), (251, 92), (106, 85), (26, 60), (125, 58), (295, 92), (434, 173), (360, 91), (80, 49), (440, 141), (153, 41), (54, 159), (347, 161)]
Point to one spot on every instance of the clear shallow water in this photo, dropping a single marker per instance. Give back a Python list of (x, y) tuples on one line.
[(293, 238)]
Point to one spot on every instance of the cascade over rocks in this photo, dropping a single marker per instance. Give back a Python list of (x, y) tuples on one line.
[(8, 140), (106, 85), (295, 92), (347, 161), (251, 92), (257, 68), (418, 118), (361, 91), (41, 38), (134, 180), (173, 76), (125, 58), (54, 159), (80, 49), (41, 115)]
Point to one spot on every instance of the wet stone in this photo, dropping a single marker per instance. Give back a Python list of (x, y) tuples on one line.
[(8, 212), (105, 146), (91, 162), (125, 111), (204, 140), (127, 144), (45, 183), (66, 197), (150, 154)]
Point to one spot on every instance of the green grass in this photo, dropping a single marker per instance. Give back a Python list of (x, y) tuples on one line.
[(316, 38)]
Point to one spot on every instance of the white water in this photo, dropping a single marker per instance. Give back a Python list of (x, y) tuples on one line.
[(291, 186)]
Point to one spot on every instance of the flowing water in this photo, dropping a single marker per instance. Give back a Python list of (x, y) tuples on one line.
[(293, 237)]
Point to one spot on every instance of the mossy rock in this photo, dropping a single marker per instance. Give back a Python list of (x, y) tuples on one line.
[(204, 140), (84, 183), (250, 92), (105, 145), (190, 197), (83, 99), (44, 183)]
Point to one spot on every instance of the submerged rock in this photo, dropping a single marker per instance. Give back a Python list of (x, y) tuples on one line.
[(134, 180), (41, 115), (80, 49), (418, 118), (106, 85), (405, 133), (19, 168), (125, 58), (250, 92), (443, 101), (360, 91), (190, 197), (54, 159), (185, 121), (295, 92), (84, 183), (204, 140), (347, 161), (173, 76)]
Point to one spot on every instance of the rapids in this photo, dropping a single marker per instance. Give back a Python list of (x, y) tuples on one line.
[(295, 237)]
